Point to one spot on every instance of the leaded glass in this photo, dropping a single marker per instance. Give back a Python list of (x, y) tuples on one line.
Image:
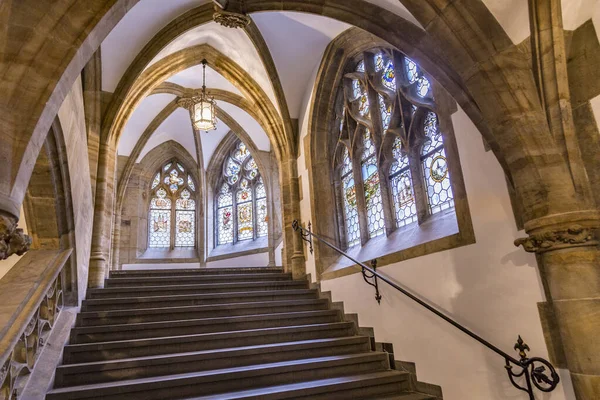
[(185, 225), (414, 74), (260, 191), (389, 76), (245, 221), (161, 201), (350, 211), (167, 166), (433, 137), (174, 181), (191, 183), (156, 181), (180, 167), (262, 228), (386, 112), (361, 66), (244, 195), (368, 145), (160, 228), (241, 153), (435, 167), (347, 162), (402, 188), (375, 220), (225, 199), (232, 169), (225, 225), (184, 202), (378, 62), (363, 106), (356, 88)]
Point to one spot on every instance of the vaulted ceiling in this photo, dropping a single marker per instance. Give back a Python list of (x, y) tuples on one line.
[(294, 41)]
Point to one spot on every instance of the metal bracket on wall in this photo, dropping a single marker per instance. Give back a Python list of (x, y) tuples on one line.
[(375, 284), (306, 236)]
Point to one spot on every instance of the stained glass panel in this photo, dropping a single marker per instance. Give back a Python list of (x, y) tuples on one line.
[(368, 145), (363, 106), (260, 190), (437, 179), (232, 168), (156, 181), (356, 88), (386, 112), (225, 199), (160, 228), (225, 225), (241, 153), (245, 222), (184, 202), (402, 187), (373, 201), (350, 211), (174, 181), (191, 183), (180, 167), (347, 162), (415, 74), (361, 66), (432, 134), (244, 195), (184, 228), (166, 167), (262, 228), (378, 61), (389, 76), (160, 201)]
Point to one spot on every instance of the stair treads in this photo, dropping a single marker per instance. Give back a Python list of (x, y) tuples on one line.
[(87, 334), (181, 288), (190, 271), (166, 280), (90, 318), (90, 352), (194, 299), (355, 387), (408, 396), (223, 380), (168, 364)]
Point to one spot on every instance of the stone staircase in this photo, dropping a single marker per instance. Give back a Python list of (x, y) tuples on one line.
[(227, 333)]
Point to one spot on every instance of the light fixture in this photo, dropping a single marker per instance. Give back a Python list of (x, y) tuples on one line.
[(203, 107)]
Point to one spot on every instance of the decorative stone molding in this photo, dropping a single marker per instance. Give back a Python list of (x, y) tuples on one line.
[(12, 239), (231, 19), (573, 236)]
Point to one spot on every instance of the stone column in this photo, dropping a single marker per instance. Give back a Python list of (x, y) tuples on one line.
[(569, 261), (290, 190), (103, 211)]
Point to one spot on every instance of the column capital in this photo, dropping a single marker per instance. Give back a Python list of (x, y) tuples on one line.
[(12, 239), (560, 231)]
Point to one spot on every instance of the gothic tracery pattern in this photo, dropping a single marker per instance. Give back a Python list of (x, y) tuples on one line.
[(241, 201), (172, 216), (391, 143)]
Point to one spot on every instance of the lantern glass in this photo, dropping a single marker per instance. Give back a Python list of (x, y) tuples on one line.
[(204, 115)]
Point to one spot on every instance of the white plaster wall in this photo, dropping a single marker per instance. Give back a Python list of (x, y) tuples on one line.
[(252, 260), (491, 287), (72, 119), (6, 265)]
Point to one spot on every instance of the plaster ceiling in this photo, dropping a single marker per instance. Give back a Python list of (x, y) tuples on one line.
[(252, 128), (192, 78), (210, 141), (397, 8)]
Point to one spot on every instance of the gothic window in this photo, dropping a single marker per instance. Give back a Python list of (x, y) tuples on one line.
[(393, 149), (241, 201), (172, 216)]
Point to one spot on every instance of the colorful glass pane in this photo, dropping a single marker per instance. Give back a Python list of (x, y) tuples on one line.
[(386, 112), (191, 184), (347, 162), (389, 76), (433, 137), (185, 202), (160, 228), (160, 202), (262, 219), (350, 211), (402, 188), (361, 66), (363, 106), (174, 181), (241, 153), (232, 168), (373, 200), (225, 225), (185, 228), (378, 62), (244, 195), (437, 179), (156, 181), (415, 74), (356, 88), (245, 221)]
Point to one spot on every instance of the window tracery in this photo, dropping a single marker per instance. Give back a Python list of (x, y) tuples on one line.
[(172, 200), (241, 202), (396, 145)]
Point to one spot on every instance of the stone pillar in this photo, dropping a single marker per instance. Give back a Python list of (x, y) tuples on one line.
[(103, 211), (12, 239), (290, 190), (569, 261)]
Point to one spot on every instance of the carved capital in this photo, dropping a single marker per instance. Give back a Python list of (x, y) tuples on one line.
[(573, 236), (232, 17), (12, 239)]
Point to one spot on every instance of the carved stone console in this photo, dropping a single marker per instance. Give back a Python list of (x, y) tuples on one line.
[(12, 239)]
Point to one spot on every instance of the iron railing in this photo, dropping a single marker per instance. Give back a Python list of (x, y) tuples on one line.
[(533, 370)]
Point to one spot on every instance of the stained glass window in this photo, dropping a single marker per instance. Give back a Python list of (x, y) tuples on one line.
[(242, 200), (349, 199), (386, 112), (378, 61), (389, 76), (435, 167), (415, 75), (172, 201), (402, 187)]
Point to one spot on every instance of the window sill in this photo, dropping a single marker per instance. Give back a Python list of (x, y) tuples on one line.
[(440, 232), (244, 248), (177, 255)]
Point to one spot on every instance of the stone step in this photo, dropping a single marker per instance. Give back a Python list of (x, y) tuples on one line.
[(116, 317), (408, 396), (190, 271), (105, 333), (194, 278), (356, 387), (91, 352), (178, 363), (195, 299), (231, 379), (182, 288)]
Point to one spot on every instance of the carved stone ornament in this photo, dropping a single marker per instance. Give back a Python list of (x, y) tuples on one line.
[(12, 239), (574, 236), (231, 19)]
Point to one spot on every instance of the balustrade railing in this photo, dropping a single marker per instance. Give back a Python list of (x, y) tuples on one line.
[(532, 371)]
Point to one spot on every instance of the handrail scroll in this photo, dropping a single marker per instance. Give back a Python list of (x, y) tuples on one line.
[(533, 371)]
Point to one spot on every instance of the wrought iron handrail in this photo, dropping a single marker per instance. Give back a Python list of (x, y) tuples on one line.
[(534, 375)]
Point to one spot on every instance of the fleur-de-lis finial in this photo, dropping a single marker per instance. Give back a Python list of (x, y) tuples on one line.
[(522, 347)]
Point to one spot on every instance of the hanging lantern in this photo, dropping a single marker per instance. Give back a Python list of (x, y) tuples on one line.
[(203, 108)]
